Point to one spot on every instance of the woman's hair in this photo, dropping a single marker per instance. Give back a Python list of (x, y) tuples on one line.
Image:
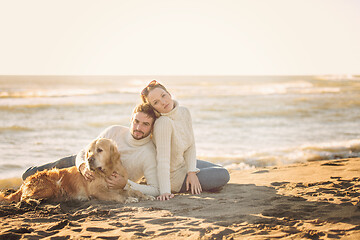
[(147, 109), (152, 85)]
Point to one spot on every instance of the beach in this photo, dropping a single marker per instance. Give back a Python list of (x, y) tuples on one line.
[(290, 143), (312, 200)]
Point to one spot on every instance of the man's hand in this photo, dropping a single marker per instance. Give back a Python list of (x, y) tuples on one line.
[(193, 181), (87, 173), (165, 196), (116, 181)]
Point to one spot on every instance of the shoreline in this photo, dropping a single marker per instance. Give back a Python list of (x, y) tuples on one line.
[(314, 200)]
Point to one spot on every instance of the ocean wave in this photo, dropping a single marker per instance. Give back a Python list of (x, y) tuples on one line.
[(331, 150), (338, 77), (46, 93), (292, 113), (256, 89), (65, 92), (300, 154), (15, 128), (24, 104), (9, 166), (320, 90)]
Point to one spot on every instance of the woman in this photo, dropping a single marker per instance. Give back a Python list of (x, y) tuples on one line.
[(178, 169)]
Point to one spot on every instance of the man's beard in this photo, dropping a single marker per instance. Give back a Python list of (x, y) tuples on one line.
[(138, 138)]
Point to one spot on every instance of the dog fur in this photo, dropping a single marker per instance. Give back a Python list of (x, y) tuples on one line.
[(101, 157)]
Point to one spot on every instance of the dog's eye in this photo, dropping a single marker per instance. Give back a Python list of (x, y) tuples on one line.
[(99, 150)]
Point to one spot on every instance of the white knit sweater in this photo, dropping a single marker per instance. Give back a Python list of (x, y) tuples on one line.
[(137, 156), (175, 146)]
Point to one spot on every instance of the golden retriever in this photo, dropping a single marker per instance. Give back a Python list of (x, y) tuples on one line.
[(102, 157)]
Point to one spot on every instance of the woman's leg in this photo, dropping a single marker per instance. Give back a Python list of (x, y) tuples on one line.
[(212, 177), (62, 163)]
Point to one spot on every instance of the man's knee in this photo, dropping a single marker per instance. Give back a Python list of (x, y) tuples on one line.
[(30, 171), (62, 163)]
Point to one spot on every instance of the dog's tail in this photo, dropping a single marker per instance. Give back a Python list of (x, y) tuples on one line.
[(14, 197)]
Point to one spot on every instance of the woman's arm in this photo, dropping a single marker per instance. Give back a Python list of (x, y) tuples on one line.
[(192, 181), (162, 136), (190, 158), (190, 153)]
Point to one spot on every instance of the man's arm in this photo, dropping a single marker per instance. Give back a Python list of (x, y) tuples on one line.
[(80, 159), (81, 166), (145, 189), (162, 136), (149, 170)]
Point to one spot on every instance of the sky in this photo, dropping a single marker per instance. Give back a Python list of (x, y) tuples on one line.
[(185, 37)]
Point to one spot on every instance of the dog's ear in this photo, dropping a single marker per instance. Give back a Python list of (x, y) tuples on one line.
[(114, 154), (89, 147)]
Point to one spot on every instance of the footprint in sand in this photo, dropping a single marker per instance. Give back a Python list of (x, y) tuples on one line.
[(260, 171), (223, 234), (336, 178), (98, 230), (46, 233), (59, 225), (332, 164), (277, 184), (163, 221), (15, 233), (134, 228)]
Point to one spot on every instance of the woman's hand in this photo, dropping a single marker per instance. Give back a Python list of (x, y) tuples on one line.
[(193, 181), (87, 173), (165, 196), (116, 181)]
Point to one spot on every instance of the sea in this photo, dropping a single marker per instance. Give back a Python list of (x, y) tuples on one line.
[(240, 122)]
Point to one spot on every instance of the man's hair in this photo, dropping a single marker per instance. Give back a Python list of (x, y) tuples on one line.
[(145, 108)]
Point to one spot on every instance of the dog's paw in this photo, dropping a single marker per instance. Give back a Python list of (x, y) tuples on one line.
[(132, 200), (148, 197), (28, 203)]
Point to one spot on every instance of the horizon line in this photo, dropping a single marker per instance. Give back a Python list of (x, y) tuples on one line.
[(173, 75)]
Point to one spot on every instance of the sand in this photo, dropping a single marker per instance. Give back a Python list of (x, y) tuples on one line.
[(315, 200)]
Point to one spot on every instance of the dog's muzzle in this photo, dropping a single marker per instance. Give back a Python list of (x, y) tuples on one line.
[(91, 162), (93, 166)]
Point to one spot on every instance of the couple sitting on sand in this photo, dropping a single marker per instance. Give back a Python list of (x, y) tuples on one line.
[(169, 166)]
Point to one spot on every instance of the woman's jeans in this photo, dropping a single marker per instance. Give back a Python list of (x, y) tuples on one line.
[(212, 177)]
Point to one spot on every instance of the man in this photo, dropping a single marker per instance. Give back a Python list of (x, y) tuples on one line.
[(138, 154)]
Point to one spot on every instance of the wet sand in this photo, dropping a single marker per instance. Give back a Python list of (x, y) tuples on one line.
[(315, 200)]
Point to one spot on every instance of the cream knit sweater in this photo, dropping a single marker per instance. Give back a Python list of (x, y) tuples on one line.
[(137, 156), (175, 146)]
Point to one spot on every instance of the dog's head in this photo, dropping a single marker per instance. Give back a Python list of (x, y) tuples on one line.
[(102, 156)]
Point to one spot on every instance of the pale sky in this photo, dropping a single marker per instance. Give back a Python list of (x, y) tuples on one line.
[(185, 37)]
